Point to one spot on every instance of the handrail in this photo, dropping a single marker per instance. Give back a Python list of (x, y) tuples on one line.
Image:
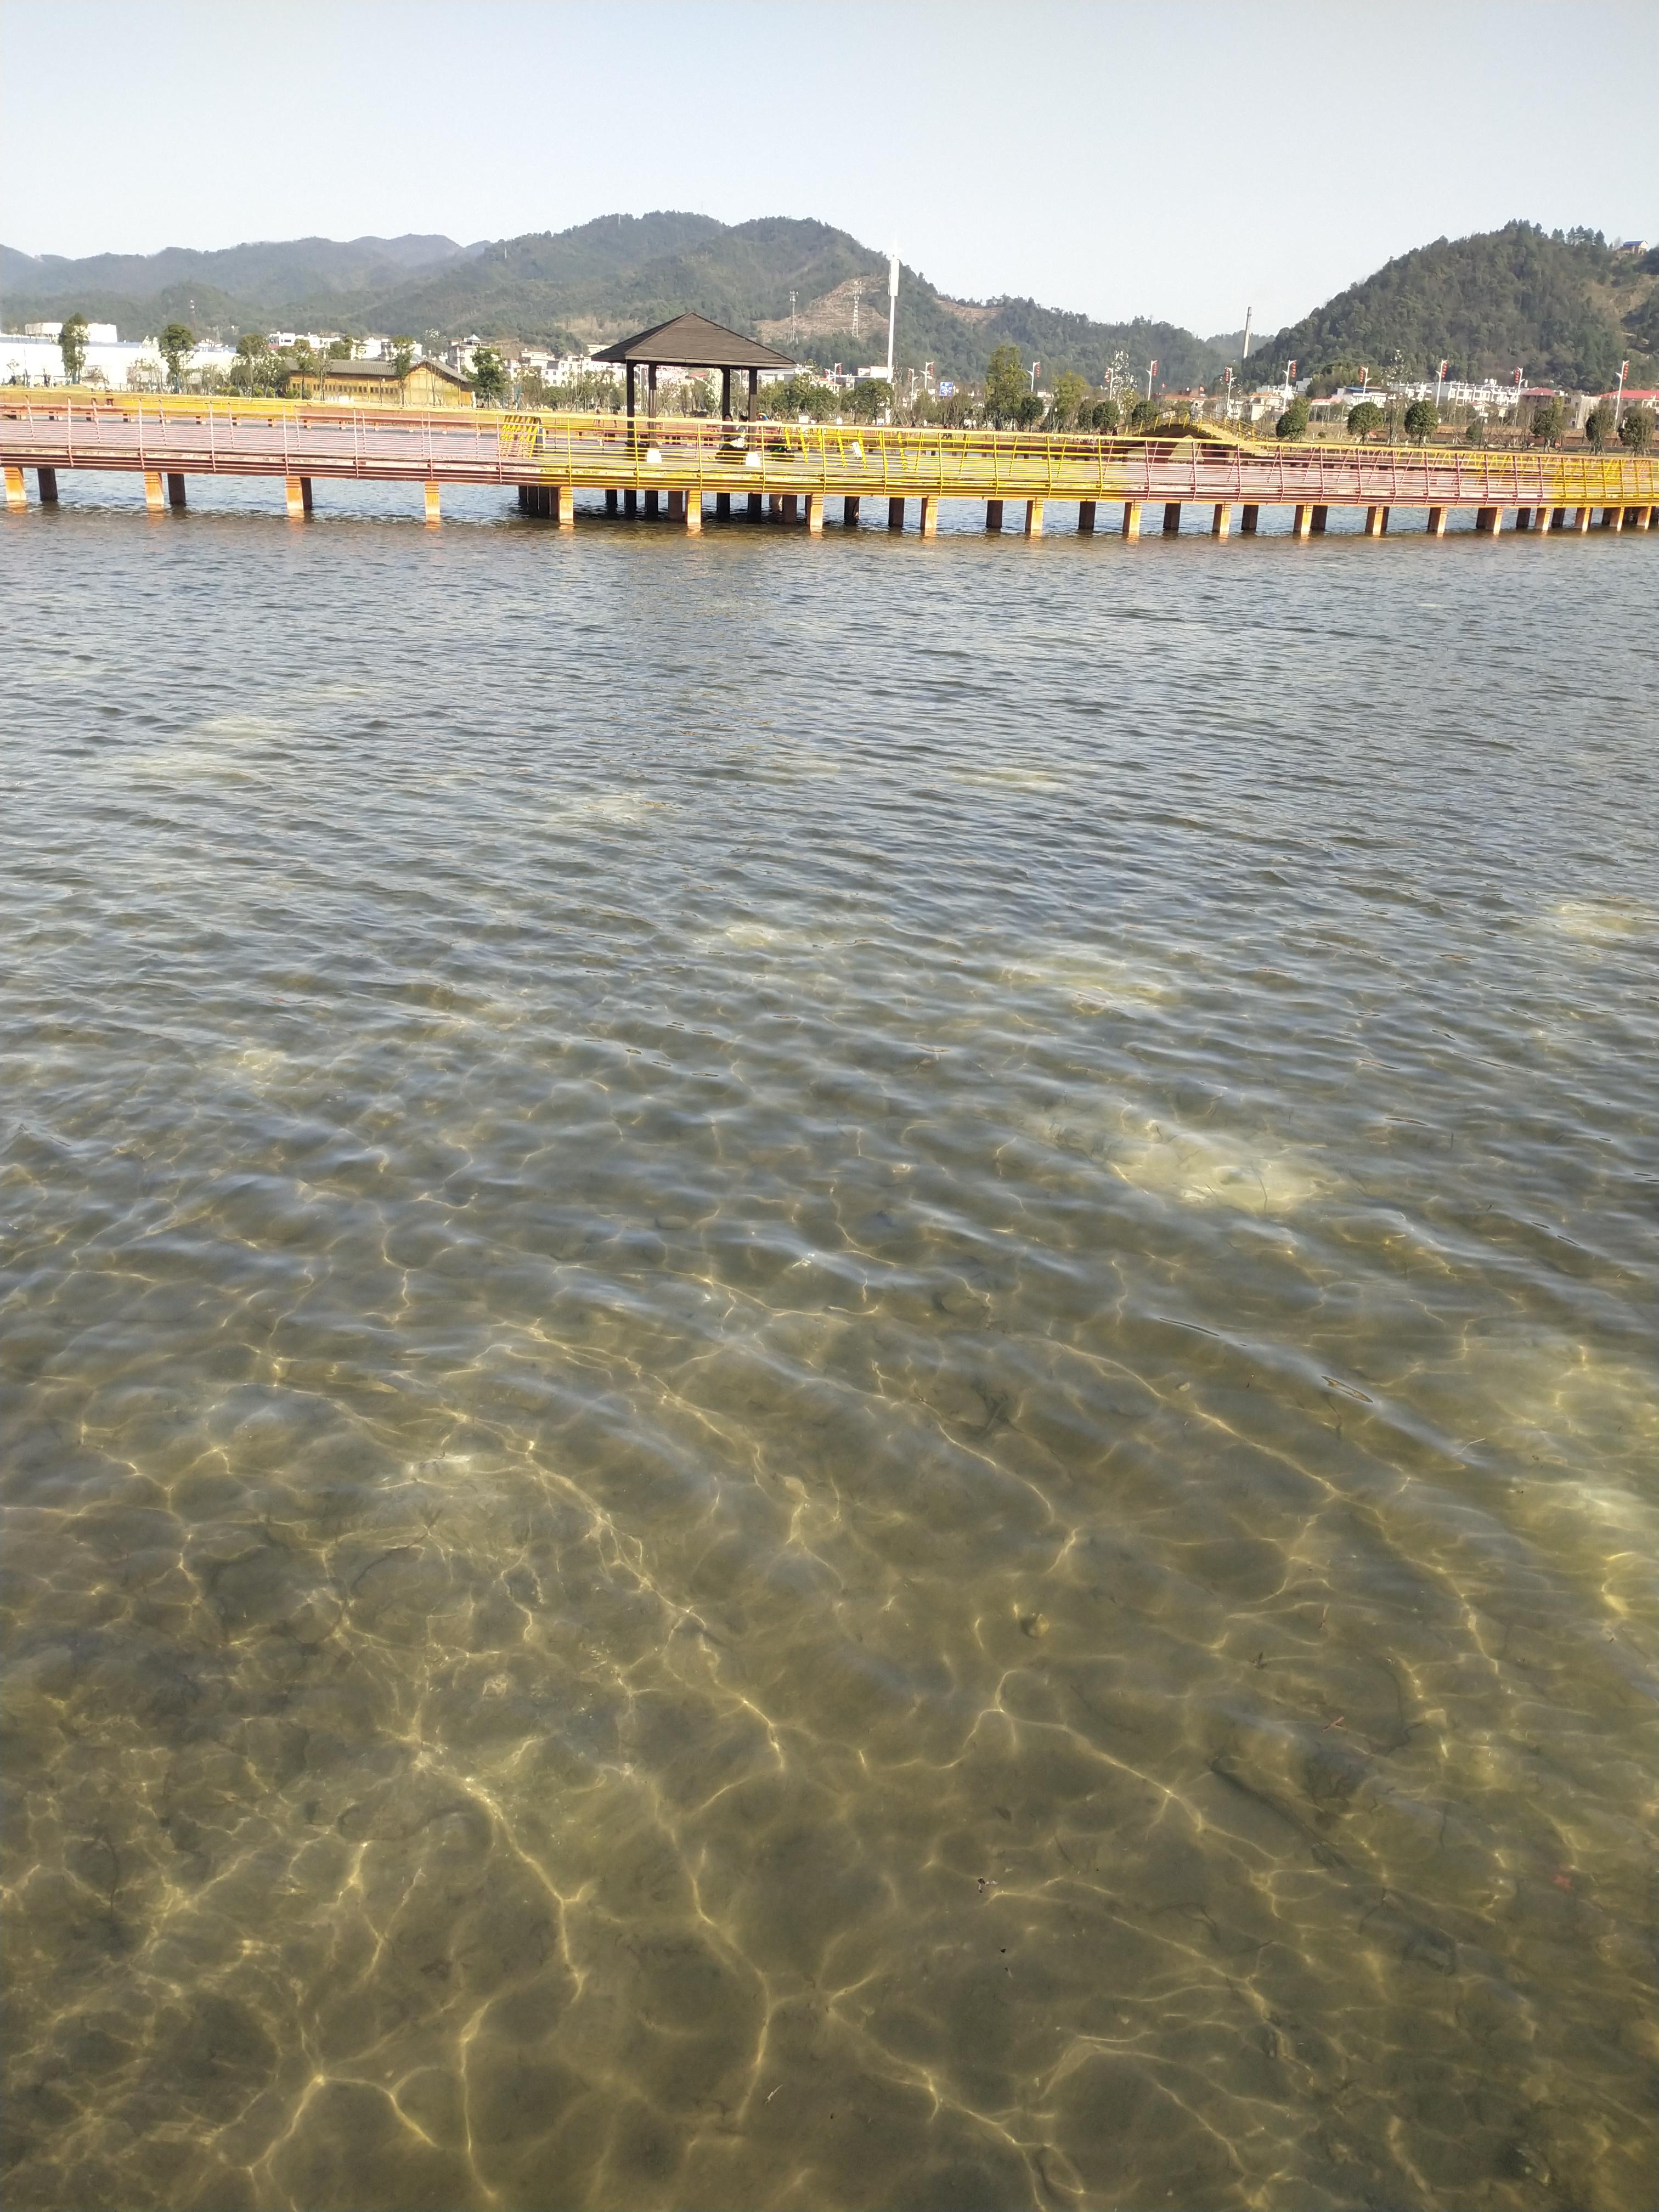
[(235, 436)]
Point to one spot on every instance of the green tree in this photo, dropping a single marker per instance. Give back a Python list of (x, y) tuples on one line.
[(403, 356), (870, 395), (72, 344), (1104, 416), (1142, 415), (1422, 421), (176, 344), (803, 393), (1071, 397), (1636, 428), (339, 349), (489, 377), (1028, 410), (1364, 419), (1293, 423), (1598, 427), (1549, 420), (251, 369), (1006, 385)]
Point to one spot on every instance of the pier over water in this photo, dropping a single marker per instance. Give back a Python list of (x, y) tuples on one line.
[(793, 470)]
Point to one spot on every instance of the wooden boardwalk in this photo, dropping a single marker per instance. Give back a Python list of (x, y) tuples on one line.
[(674, 464)]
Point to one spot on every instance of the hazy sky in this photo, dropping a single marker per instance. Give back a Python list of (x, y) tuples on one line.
[(1177, 161)]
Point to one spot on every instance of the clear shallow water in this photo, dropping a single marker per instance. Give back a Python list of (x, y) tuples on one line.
[(830, 1367)]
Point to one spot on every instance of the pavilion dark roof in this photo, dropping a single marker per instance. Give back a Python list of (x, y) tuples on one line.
[(693, 342)]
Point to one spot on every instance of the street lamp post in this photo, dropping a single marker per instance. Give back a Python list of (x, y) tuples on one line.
[(1618, 402)]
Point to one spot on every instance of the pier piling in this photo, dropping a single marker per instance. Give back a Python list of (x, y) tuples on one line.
[(1132, 519), (1249, 516), (175, 488), (1085, 517), (895, 514), (45, 482), (1034, 518), (155, 498), (850, 511), (1222, 522), (434, 505), (17, 489), (297, 492), (993, 515), (1172, 518)]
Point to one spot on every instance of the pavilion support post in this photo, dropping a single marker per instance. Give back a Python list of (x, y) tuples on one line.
[(296, 491), (723, 505), (1034, 518), (1302, 522), (1436, 522), (849, 510), (1172, 518), (726, 395), (564, 506), (1322, 519), (433, 504), (993, 515), (45, 482), (1223, 523), (815, 512), (1490, 519), (754, 393), (895, 514), (632, 391), (17, 490), (1085, 517), (1250, 515), (175, 488), (154, 497), (1132, 517), (611, 501), (927, 518), (1376, 521), (757, 505), (651, 392), (693, 513)]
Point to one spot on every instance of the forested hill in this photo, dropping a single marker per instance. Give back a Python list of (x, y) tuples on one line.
[(1565, 308), (599, 282)]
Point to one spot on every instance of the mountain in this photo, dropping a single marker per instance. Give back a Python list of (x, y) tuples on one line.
[(597, 282), (237, 288), (1564, 306)]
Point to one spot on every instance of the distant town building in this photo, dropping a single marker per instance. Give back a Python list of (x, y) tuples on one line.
[(377, 383), (97, 333), (31, 356)]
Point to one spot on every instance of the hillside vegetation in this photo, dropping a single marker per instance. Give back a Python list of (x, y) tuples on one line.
[(597, 282), (1564, 307)]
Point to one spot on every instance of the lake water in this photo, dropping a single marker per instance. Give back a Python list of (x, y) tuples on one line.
[(829, 1366)]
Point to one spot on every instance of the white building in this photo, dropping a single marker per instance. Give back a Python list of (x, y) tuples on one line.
[(29, 357)]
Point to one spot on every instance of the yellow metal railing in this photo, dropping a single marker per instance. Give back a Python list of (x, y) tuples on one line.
[(231, 435)]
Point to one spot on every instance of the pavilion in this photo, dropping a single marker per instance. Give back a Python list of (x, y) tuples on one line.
[(693, 342)]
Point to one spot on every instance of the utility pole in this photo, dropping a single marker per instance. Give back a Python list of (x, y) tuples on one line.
[(1151, 371), (1248, 311), (1617, 404), (792, 322)]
